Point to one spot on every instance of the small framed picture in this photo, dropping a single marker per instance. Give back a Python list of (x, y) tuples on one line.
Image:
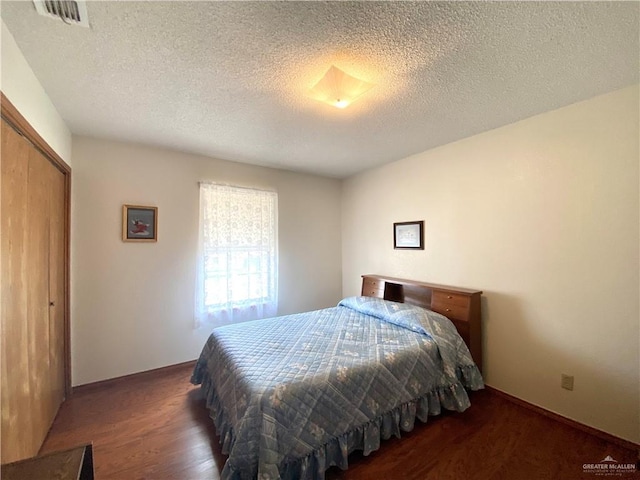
[(408, 235), (139, 223)]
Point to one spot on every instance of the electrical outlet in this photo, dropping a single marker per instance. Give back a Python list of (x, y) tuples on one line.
[(566, 381)]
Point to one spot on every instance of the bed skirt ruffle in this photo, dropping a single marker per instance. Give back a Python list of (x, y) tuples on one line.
[(365, 437)]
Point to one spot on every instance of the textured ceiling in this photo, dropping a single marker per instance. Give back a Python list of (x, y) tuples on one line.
[(229, 79)]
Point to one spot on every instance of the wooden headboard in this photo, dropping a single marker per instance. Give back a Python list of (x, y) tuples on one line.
[(460, 305)]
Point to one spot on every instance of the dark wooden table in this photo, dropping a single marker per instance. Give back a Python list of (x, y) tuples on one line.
[(73, 464)]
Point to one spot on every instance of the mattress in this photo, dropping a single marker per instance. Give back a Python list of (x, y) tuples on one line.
[(293, 395)]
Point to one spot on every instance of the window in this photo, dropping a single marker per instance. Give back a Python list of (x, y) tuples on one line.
[(238, 254)]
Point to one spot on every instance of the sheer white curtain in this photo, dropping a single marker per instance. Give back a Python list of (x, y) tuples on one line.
[(237, 278)]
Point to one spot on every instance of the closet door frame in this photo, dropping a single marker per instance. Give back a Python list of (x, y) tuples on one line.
[(14, 118)]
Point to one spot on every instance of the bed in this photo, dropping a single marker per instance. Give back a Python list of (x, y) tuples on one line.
[(291, 396)]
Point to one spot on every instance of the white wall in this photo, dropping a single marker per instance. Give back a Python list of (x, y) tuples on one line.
[(542, 215), (132, 304), (22, 88)]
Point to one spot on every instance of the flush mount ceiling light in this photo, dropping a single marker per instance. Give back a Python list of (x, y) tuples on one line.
[(339, 89)]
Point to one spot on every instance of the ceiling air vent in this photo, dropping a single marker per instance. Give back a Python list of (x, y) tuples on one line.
[(70, 12)]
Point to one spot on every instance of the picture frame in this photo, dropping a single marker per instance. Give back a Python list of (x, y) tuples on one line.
[(408, 235), (139, 223)]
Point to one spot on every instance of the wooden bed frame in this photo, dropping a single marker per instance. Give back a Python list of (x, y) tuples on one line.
[(460, 305)]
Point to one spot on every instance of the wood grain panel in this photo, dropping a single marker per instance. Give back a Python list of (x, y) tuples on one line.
[(32, 341), (12, 116), (57, 303), (449, 298), (15, 118), (37, 250), (36, 372), (451, 311), (15, 387)]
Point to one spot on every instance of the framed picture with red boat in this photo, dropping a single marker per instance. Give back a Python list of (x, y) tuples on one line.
[(139, 223)]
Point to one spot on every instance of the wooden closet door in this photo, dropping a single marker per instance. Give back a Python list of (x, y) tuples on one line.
[(15, 388), (38, 255), (57, 282), (33, 295)]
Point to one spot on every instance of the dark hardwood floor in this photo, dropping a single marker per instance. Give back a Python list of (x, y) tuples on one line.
[(155, 426)]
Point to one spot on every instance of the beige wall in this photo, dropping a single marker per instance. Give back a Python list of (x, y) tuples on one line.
[(22, 88), (542, 215), (133, 304)]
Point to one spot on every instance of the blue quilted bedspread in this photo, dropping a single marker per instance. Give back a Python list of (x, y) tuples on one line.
[(293, 395)]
